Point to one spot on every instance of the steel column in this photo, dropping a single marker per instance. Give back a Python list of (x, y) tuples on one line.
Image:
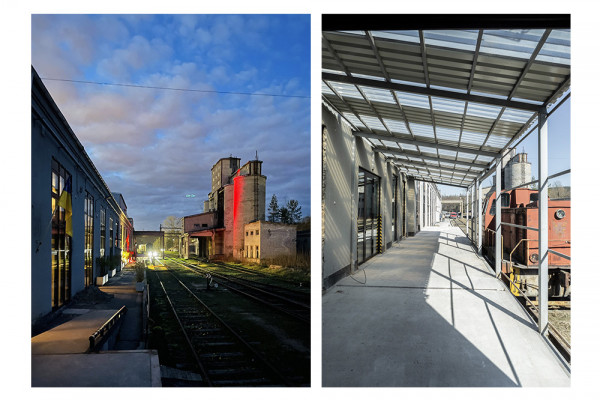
[(498, 241), (479, 221), (467, 218), (543, 218)]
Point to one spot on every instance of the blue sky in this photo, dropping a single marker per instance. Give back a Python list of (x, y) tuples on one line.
[(155, 146)]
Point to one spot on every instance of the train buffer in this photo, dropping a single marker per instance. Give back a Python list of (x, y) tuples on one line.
[(430, 312)]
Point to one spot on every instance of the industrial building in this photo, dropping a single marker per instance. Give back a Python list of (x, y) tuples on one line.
[(79, 229), (234, 211), (369, 203)]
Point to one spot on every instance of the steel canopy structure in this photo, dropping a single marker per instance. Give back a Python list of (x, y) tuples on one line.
[(446, 101), (443, 105)]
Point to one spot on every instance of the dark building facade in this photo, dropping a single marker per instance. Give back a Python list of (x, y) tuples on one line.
[(79, 229)]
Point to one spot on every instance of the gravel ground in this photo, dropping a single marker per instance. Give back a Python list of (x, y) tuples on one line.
[(561, 320)]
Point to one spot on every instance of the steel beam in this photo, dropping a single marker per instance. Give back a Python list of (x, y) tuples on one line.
[(385, 149), (439, 182), (397, 139), (498, 242), (543, 222), (353, 80), (433, 167)]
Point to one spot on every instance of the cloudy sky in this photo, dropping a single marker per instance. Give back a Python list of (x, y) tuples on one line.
[(155, 146)]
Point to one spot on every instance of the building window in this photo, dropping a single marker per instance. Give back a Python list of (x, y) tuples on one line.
[(110, 238), (251, 232), (88, 212), (257, 252), (368, 215), (246, 233), (257, 232), (61, 242), (102, 232)]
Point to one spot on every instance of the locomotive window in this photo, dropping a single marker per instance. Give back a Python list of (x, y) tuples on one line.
[(533, 197), (505, 200)]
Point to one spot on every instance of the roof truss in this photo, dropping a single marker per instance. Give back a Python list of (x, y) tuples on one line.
[(436, 102)]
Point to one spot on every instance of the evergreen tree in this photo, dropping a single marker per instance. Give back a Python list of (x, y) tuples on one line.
[(294, 211), (273, 210), (284, 215)]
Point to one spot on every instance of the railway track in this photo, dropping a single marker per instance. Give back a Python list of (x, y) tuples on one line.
[(215, 351), (292, 303), (247, 271)]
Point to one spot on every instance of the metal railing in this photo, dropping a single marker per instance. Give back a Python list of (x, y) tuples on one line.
[(536, 311), (102, 333)]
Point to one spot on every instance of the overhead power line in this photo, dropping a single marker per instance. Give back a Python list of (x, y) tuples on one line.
[(170, 88)]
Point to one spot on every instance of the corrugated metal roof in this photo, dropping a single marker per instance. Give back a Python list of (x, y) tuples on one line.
[(451, 101)]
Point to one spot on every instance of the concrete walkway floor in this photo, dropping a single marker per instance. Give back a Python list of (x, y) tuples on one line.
[(60, 355), (429, 312)]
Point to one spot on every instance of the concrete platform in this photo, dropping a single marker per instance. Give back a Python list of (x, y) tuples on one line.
[(133, 368), (72, 337), (429, 312), (59, 356)]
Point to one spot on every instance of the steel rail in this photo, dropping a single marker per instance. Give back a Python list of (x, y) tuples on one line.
[(247, 345), (249, 284), (288, 300), (261, 274), (187, 338)]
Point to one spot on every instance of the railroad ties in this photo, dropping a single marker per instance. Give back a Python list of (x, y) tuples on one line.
[(215, 353)]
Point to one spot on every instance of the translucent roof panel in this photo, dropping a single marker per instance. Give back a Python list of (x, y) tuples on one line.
[(377, 78), (482, 110), (557, 48), (448, 165), (403, 36), (396, 126), (518, 43), (373, 122), (452, 117), (409, 83), (346, 90), (332, 71), (466, 156), (448, 105), (422, 130), (473, 137), (447, 133), (409, 147), (325, 89), (447, 153), (497, 141), (378, 95), (430, 150), (355, 121), (390, 144), (518, 116), (455, 39), (485, 158), (413, 100)]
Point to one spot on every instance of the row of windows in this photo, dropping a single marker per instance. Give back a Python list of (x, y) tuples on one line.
[(252, 251), (252, 232)]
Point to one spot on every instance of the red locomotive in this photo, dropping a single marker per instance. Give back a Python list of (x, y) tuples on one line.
[(520, 246)]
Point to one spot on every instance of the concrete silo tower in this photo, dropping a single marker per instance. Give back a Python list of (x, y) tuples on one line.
[(249, 187)]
